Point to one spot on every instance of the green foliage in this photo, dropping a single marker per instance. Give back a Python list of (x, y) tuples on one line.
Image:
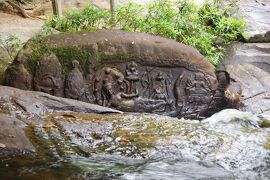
[(11, 45), (220, 22), (38, 52), (207, 28), (89, 19), (129, 17)]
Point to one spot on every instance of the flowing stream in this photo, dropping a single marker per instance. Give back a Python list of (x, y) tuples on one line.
[(229, 145)]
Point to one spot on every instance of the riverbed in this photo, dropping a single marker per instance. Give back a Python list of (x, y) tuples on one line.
[(229, 145)]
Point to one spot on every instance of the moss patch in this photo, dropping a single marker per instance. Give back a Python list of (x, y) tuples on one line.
[(67, 55), (265, 123), (85, 55), (267, 144)]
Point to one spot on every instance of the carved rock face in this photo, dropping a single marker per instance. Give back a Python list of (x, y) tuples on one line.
[(48, 77), (133, 72), (74, 83)]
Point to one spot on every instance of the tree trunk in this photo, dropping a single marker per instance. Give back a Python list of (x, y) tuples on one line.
[(57, 8)]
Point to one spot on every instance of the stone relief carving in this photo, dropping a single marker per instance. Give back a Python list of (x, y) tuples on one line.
[(74, 87), (132, 76), (107, 83), (193, 94), (48, 77), (153, 74), (198, 95), (19, 76), (131, 87), (136, 88)]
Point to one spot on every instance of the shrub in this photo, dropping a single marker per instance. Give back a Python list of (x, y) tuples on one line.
[(89, 19), (207, 28), (11, 45)]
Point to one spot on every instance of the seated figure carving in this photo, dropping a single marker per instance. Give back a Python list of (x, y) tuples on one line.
[(19, 76), (132, 77), (48, 77)]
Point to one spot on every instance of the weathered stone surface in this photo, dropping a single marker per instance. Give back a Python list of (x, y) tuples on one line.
[(39, 103), (13, 140), (249, 66), (133, 72), (256, 14)]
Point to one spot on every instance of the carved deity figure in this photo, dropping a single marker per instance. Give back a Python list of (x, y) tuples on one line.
[(107, 83), (132, 76), (48, 77), (74, 87), (196, 90), (160, 91), (199, 96), (17, 75), (107, 92)]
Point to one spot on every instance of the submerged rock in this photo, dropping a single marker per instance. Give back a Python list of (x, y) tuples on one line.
[(132, 72)]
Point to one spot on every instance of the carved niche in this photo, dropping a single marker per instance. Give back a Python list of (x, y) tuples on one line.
[(193, 94)]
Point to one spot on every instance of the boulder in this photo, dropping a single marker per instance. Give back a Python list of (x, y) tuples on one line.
[(256, 14), (132, 72), (13, 140), (39, 103), (249, 66)]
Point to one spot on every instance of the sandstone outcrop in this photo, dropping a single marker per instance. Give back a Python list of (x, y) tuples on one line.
[(256, 15), (249, 66), (134, 72)]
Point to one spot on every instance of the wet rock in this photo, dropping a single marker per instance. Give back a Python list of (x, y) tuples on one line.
[(39, 103), (256, 14), (13, 140), (249, 67)]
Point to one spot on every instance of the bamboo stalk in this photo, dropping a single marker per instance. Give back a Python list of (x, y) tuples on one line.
[(112, 7)]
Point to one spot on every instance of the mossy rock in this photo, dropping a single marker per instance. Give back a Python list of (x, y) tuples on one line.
[(117, 46)]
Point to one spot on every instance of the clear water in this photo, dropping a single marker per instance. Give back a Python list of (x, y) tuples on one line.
[(229, 145)]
